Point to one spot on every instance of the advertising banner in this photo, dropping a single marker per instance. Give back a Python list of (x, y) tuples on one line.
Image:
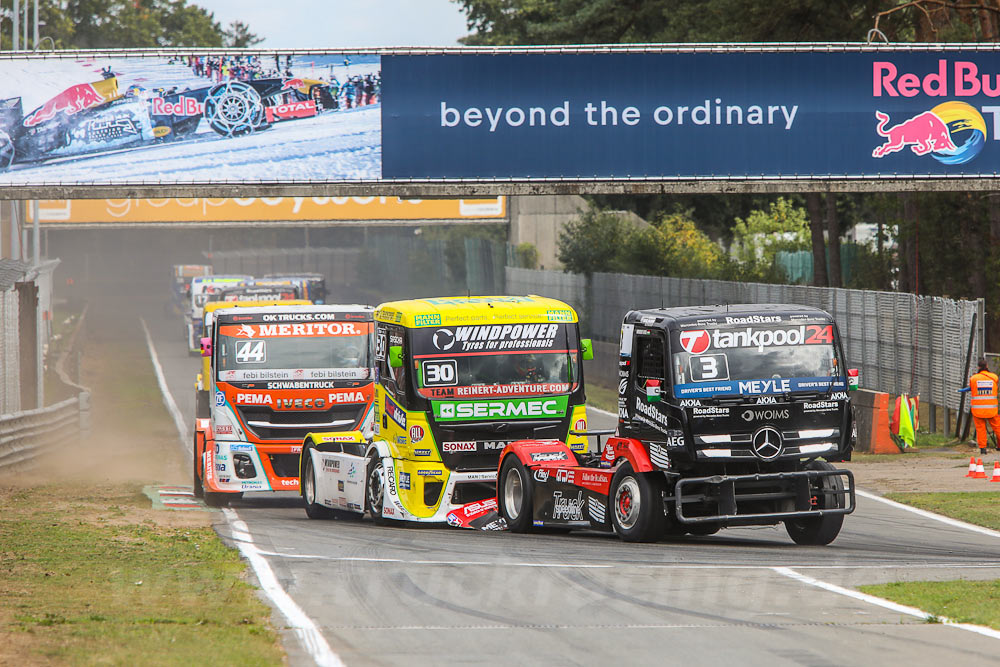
[(190, 118), (291, 210), (742, 114), (463, 117)]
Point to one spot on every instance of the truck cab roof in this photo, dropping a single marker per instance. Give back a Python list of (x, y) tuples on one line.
[(224, 313), (474, 310), (738, 314)]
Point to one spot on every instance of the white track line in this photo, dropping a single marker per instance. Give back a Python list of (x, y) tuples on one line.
[(929, 515), (168, 398), (638, 566), (305, 629), (887, 604)]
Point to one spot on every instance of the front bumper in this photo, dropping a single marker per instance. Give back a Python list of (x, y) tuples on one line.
[(410, 506), (729, 492)]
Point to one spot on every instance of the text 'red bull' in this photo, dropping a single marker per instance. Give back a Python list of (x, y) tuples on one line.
[(70, 101), (923, 133), (965, 81), (184, 106)]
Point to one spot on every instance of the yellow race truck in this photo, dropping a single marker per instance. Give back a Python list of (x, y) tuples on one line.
[(457, 380)]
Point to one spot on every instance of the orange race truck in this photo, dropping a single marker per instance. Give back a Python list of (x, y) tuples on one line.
[(276, 374)]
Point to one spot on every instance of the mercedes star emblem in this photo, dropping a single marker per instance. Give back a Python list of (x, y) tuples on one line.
[(766, 443)]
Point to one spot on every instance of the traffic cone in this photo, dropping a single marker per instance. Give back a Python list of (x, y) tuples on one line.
[(972, 467), (980, 471), (996, 472)]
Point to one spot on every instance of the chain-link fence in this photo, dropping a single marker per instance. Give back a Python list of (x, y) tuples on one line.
[(10, 373), (387, 267), (901, 343)]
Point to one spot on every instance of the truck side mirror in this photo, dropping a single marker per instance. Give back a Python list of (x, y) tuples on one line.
[(396, 356), (587, 348), (853, 379), (206, 347), (653, 390)]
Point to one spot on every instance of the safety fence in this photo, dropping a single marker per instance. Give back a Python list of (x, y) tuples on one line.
[(27, 434), (387, 265), (10, 357), (901, 343)]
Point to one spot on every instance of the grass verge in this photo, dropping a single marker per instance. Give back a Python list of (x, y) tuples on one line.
[(602, 398), (975, 602), (86, 578), (979, 507)]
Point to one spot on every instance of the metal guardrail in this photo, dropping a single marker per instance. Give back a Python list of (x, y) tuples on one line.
[(27, 434)]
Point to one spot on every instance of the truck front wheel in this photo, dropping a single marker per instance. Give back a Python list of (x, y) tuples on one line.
[(821, 530), (514, 495), (375, 490), (313, 509), (637, 505)]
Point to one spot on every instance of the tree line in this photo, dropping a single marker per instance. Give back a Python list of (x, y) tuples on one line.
[(940, 243)]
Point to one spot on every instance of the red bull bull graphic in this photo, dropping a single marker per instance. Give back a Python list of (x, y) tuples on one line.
[(71, 101), (931, 133)]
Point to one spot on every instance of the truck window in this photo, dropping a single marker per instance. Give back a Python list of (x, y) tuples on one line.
[(649, 359), (393, 379)]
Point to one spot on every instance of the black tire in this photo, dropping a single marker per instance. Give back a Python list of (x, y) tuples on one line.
[(213, 499), (201, 404), (234, 108), (515, 493), (636, 505), (313, 509), (702, 529), (199, 488), (824, 529), (374, 490)]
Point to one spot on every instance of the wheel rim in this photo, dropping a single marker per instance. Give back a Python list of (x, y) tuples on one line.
[(310, 482), (375, 488), (627, 503), (513, 495)]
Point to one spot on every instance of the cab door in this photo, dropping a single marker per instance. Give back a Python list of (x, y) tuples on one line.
[(650, 392), (392, 393)]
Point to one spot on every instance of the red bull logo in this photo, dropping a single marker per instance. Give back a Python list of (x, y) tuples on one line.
[(291, 84), (70, 101), (935, 132)]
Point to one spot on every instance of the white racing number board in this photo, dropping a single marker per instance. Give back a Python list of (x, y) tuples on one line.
[(251, 352)]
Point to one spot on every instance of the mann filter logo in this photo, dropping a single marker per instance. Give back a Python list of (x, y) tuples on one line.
[(497, 337), (524, 408), (426, 320)]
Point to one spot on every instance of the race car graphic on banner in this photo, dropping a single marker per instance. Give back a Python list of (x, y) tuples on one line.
[(94, 114)]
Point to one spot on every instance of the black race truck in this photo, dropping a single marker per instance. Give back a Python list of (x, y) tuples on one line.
[(727, 416)]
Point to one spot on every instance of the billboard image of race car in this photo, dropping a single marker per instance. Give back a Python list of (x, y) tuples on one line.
[(99, 116)]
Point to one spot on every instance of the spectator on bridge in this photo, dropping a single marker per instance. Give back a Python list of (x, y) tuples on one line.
[(983, 388)]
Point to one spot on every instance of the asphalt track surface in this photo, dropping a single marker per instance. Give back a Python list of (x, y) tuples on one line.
[(433, 595)]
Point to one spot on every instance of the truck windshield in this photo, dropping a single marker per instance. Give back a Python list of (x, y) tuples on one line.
[(496, 360), (309, 351), (784, 357)]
